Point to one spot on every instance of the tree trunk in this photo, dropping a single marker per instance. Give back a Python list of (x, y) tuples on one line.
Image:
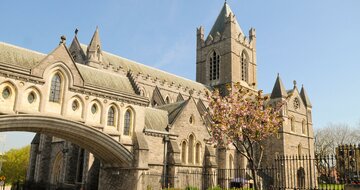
[(254, 175)]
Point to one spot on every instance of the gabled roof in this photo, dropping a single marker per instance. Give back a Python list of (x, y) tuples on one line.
[(156, 119), (157, 97), (105, 79), (75, 48), (279, 89), (173, 109), (136, 68), (219, 25), (17, 56), (305, 97), (60, 55), (24, 58), (180, 97)]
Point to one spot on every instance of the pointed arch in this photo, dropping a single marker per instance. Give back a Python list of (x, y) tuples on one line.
[(198, 153), (231, 161), (191, 149), (57, 169), (244, 63), (183, 152), (167, 100), (303, 127), (292, 123), (75, 107), (32, 98), (231, 165), (94, 111), (111, 116), (214, 65), (128, 122), (56, 87), (8, 96)]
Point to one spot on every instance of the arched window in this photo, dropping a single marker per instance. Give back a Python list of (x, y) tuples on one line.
[(214, 66), (55, 88), (303, 128), (231, 165), (244, 66), (57, 169), (111, 117), (198, 153), (128, 122), (183, 152), (292, 123), (167, 100), (299, 149), (191, 150), (231, 162)]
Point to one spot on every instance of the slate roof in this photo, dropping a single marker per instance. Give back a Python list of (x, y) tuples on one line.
[(156, 119), (21, 57), (219, 25), (105, 79), (17, 56), (173, 109), (136, 68)]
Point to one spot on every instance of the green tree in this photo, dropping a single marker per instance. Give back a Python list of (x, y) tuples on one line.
[(15, 164)]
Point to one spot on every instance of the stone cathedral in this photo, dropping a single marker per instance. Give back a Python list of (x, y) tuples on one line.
[(157, 116)]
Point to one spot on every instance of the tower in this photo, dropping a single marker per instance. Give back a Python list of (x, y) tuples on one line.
[(227, 56)]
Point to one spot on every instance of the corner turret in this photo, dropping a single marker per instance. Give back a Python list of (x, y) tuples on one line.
[(279, 89), (305, 97), (94, 52)]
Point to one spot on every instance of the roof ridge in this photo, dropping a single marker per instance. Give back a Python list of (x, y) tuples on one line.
[(141, 64), (154, 68), (102, 70), (155, 109), (18, 47)]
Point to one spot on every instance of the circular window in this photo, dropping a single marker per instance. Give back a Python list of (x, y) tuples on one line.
[(6, 93), (75, 105), (93, 108), (31, 97)]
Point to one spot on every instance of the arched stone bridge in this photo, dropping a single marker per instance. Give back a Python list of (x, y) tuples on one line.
[(108, 150)]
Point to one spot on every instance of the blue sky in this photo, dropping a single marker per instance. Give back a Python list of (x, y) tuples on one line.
[(315, 43)]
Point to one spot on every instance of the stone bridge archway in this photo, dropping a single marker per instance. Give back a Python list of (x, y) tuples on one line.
[(105, 148)]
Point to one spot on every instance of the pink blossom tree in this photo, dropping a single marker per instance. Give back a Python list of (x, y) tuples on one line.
[(244, 119)]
